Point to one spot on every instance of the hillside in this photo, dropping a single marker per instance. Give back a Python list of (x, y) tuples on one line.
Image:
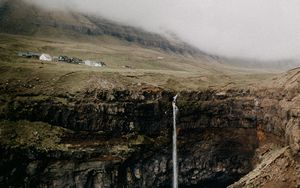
[(153, 59), (21, 18), (18, 17)]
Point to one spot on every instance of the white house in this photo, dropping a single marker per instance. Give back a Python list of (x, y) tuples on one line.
[(94, 63), (45, 57)]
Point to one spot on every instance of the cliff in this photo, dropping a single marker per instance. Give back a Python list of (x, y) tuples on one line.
[(122, 138)]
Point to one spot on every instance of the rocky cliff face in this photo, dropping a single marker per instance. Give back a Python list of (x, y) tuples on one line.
[(122, 138)]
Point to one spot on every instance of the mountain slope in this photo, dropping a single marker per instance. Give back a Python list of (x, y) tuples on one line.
[(18, 17), (156, 60)]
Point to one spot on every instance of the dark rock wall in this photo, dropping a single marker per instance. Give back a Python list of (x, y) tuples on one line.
[(146, 113), (203, 155), (29, 168), (218, 133)]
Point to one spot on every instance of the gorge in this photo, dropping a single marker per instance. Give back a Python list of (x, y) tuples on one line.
[(122, 138)]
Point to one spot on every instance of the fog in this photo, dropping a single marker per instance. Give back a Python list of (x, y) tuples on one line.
[(261, 29)]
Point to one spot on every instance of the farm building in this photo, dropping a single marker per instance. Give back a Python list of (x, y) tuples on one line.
[(29, 54), (45, 57), (94, 63), (73, 60)]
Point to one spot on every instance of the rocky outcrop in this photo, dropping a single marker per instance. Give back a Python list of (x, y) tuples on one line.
[(277, 168), (29, 168)]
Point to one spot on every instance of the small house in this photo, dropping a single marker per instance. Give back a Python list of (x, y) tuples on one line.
[(34, 55), (94, 63), (45, 57), (73, 60), (63, 58)]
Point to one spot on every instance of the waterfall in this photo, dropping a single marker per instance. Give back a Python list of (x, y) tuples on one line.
[(174, 156)]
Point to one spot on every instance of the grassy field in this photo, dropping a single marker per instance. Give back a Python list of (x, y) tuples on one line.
[(150, 66)]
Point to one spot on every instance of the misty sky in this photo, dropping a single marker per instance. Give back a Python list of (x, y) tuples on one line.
[(262, 29)]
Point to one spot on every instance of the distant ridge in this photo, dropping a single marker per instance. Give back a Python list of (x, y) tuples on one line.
[(19, 17)]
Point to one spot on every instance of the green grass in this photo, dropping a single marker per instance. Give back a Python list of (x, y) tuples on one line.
[(25, 134), (175, 72), (43, 137)]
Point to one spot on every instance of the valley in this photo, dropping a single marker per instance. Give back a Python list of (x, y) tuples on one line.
[(72, 125)]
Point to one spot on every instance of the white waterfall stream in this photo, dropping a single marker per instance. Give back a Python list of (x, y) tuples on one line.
[(174, 156)]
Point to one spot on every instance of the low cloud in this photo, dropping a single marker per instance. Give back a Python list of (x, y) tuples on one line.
[(261, 29)]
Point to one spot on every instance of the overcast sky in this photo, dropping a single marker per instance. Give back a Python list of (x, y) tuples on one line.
[(262, 29)]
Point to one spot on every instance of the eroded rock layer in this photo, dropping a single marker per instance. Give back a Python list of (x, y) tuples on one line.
[(122, 138)]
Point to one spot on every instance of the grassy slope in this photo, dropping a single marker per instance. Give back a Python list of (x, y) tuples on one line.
[(173, 72), (19, 17), (31, 134), (63, 32), (44, 138)]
